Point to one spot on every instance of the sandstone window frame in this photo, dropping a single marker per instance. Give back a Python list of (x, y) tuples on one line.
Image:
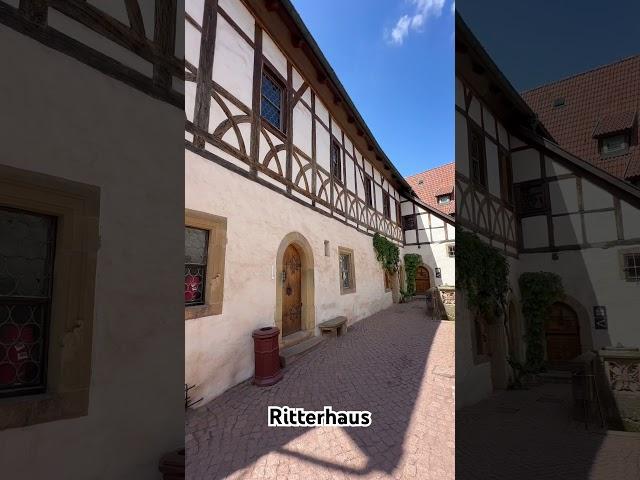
[(216, 251), (76, 207), (342, 251)]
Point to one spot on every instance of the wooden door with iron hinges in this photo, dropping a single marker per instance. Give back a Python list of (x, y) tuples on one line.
[(291, 291)]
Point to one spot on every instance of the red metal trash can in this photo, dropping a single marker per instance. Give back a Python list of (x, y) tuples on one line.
[(267, 352)]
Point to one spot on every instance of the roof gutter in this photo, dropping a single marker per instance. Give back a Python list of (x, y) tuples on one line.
[(331, 75)]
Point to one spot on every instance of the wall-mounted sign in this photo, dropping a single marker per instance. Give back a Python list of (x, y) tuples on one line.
[(438, 273), (600, 317)]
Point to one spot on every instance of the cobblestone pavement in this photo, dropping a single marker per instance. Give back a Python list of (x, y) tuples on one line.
[(529, 434), (397, 364)]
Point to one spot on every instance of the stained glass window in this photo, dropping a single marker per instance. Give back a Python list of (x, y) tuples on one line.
[(196, 242), (27, 245), (271, 104), (345, 271)]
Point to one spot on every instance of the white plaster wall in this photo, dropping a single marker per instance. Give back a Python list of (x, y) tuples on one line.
[(473, 382), (219, 349), (525, 165), (233, 62), (535, 232), (436, 255), (89, 128), (594, 277)]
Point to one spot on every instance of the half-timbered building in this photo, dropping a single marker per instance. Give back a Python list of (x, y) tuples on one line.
[(545, 209), (90, 237), (435, 187), (285, 187)]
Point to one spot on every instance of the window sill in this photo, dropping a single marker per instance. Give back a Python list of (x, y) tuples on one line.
[(16, 412), (199, 311), (347, 292), (273, 129)]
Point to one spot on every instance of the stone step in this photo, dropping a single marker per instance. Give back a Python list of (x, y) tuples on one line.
[(555, 376), (291, 354), (296, 338)]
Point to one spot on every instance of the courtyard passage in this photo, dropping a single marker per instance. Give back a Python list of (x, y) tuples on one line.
[(398, 364), (529, 434)]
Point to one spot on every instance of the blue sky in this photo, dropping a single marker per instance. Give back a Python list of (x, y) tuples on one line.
[(396, 60), (560, 39)]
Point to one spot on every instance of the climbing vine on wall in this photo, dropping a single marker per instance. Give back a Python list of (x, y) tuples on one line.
[(411, 263), (482, 272), (538, 290), (387, 253)]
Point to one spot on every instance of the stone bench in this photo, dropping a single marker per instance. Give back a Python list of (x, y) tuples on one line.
[(335, 327)]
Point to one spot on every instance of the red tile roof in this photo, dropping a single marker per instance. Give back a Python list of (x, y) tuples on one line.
[(600, 101), (616, 122), (437, 181)]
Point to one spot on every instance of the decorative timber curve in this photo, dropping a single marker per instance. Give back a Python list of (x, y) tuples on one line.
[(299, 172), (32, 19), (484, 213)]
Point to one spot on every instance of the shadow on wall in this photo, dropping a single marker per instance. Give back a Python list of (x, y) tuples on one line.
[(367, 369), (538, 419)]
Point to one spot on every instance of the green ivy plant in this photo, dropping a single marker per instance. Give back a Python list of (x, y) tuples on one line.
[(538, 291), (411, 263), (387, 253), (482, 273)]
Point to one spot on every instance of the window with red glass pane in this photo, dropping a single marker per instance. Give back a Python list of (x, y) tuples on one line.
[(27, 245), (196, 241)]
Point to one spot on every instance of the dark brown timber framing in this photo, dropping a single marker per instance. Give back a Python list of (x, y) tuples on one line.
[(297, 43), (256, 121), (31, 17), (204, 82), (165, 36), (294, 170)]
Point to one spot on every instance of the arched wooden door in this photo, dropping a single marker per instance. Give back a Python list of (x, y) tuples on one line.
[(563, 333), (291, 291), (423, 282)]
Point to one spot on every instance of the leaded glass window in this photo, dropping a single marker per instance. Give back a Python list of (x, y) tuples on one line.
[(368, 192), (386, 205), (336, 161), (409, 222), (632, 267), (27, 246), (345, 271), (271, 105), (196, 243)]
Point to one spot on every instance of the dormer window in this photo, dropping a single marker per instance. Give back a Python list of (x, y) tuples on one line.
[(613, 133), (614, 144), (444, 199)]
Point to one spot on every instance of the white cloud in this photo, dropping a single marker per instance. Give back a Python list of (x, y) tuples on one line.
[(423, 10)]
